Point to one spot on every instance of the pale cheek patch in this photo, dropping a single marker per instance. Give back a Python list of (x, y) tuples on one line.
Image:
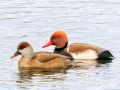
[(87, 54), (27, 52)]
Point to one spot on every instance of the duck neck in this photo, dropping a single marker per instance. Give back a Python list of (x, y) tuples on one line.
[(27, 57), (62, 48)]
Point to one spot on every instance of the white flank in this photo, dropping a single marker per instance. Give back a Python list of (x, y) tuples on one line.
[(87, 54)]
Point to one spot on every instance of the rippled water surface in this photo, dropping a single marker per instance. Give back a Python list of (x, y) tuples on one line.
[(92, 21)]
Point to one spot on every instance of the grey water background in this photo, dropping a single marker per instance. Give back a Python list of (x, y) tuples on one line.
[(91, 21)]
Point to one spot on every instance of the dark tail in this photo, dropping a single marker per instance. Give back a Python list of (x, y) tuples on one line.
[(105, 55)]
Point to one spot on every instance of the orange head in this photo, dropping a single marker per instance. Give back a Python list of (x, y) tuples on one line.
[(58, 38)]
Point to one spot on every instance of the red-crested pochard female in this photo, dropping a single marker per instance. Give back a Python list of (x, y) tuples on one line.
[(76, 50), (43, 60)]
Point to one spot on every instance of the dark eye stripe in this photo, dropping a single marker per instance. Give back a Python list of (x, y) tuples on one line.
[(22, 47)]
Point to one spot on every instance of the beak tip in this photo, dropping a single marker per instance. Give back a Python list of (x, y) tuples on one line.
[(12, 57), (48, 44)]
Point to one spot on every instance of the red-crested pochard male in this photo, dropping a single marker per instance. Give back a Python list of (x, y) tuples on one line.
[(43, 60), (76, 50)]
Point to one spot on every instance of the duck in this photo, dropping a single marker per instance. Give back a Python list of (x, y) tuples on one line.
[(76, 50), (41, 59)]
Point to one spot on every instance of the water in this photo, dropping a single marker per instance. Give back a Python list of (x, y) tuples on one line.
[(92, 21)]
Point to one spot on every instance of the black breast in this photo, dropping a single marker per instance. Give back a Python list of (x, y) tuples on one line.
[(63, 52)]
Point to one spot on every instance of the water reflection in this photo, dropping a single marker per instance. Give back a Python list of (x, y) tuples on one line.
[(29, 73), (29, 78), (91, 62)]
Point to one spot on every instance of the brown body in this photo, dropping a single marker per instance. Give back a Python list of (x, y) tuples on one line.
[(45, 60), (42, 60), (81, 47)]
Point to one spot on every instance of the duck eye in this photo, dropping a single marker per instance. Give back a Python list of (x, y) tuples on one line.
[(19, 53), (53, 37)]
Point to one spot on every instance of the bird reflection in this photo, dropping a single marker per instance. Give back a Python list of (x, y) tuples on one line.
[(90, 62), (26, 73)]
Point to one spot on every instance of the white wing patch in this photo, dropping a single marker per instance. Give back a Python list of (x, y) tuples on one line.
[(87, 54)]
